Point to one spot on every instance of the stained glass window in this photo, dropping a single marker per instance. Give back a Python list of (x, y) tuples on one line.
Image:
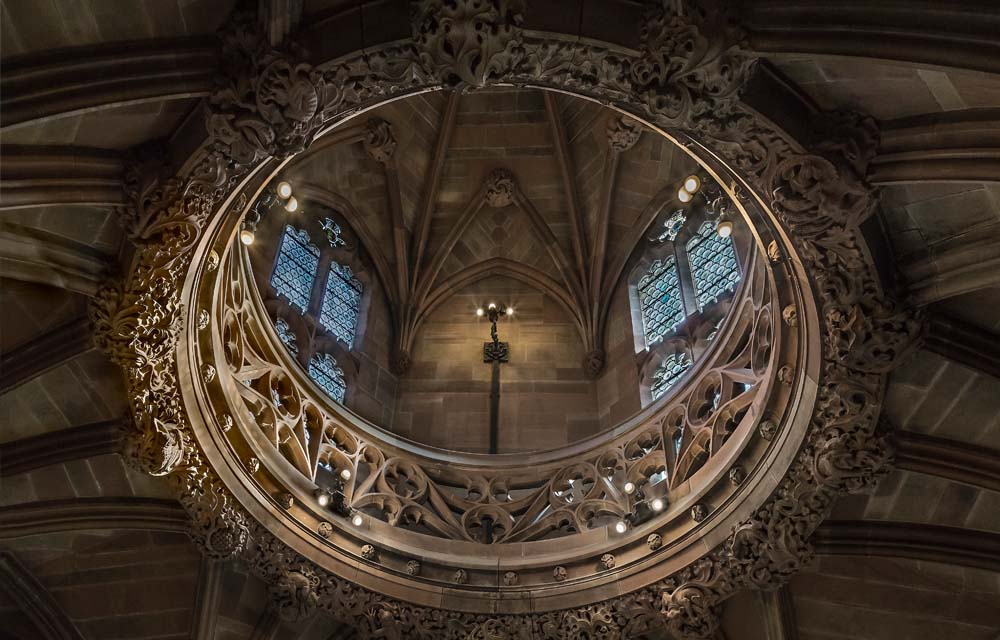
[(713, 264), (660, 300), (324, 370), (341, 303), (286, 335), (673, 367), (295, 269)]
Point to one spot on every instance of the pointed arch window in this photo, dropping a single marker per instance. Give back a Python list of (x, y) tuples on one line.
[(341, 303), (660, 300), (714, 267), (670, 371), (295, 269), (330, 377)]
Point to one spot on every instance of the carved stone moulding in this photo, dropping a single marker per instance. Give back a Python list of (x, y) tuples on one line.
[(819, 438)]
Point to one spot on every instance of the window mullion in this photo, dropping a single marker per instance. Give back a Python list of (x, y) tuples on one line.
[(686, 280), (319, 284)]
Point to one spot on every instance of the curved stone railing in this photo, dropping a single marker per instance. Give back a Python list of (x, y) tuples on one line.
[(499, 498)]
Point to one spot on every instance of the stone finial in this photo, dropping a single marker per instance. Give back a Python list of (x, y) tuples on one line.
[(623, 132), (286, 500), (413, 568), (510, 578), (608, 561), (499, 188), (380, 141), (324, 529), (461, 576), (560, 574), (368, 552)]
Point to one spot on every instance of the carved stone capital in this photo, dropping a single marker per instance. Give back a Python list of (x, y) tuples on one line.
[(623, 132), (380, 141), (400, 362), (594, 362)]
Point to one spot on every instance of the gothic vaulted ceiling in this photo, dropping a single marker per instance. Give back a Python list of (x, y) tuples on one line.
[(92, 548)]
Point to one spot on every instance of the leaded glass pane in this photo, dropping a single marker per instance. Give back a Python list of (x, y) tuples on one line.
[(672, 368), (713, 264), (295, 269), (660, 300), (324, 370), (286, 335), (341, 303)]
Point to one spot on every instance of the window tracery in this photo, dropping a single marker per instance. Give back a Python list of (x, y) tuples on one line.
[(688, 272), (330, 377), (660, 300), (670, 371), (714, 267), (295, 269), (341, 303), (286, 335)]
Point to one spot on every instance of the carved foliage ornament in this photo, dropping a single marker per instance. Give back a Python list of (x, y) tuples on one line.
[(690, 70)]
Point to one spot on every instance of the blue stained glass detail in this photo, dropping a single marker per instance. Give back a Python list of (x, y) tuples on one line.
[(660, 300), (286, 335), (341, 303), (295, 269), (670, 371), (333, 232), (324, 370), (673, 226), (713, 264)]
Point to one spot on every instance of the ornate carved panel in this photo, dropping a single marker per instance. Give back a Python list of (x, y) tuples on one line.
[(235, 442)]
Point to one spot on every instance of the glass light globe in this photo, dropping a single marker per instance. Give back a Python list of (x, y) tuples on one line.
[(323, 498), (246, 237), (357, 520), (292, 205), (657, 504), (684, 195), (480, 312), (692, 184), (621, 526), (345, 474), (629, 487), (284, 190), (509, 311), (724, 228), (492, 305)]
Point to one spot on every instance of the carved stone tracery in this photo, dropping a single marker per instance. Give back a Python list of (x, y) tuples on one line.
[(688, 75)]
